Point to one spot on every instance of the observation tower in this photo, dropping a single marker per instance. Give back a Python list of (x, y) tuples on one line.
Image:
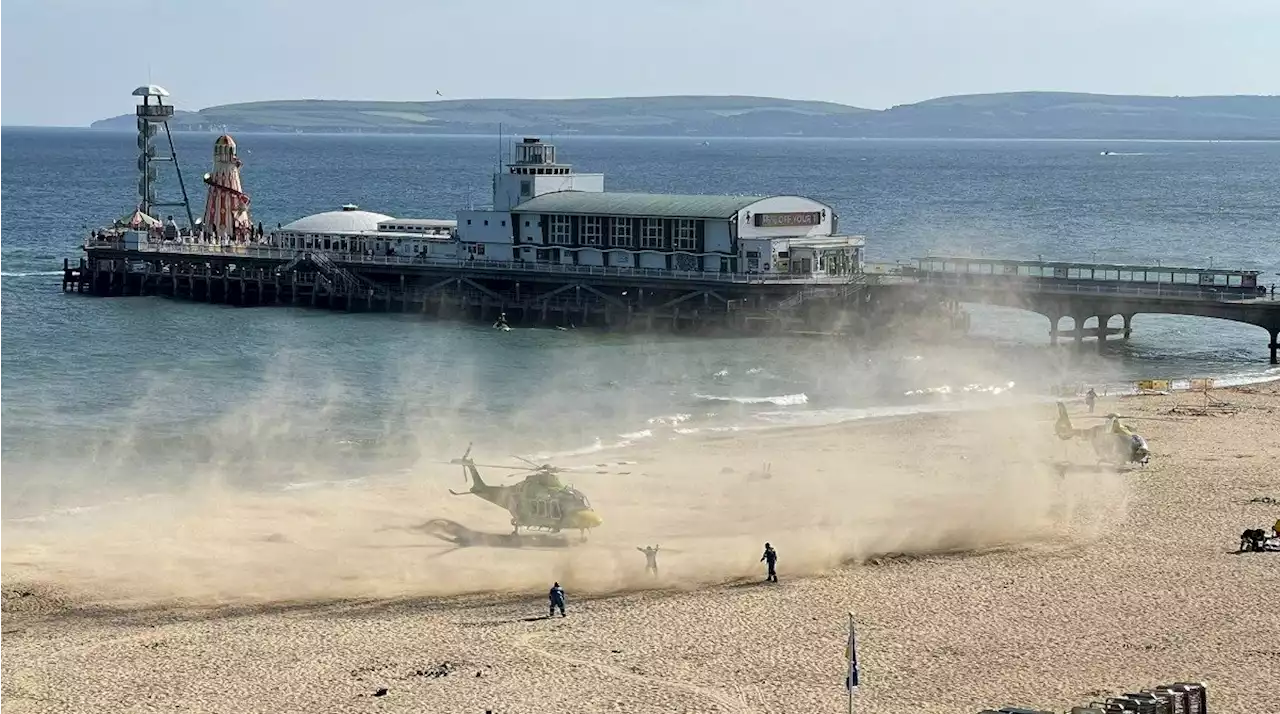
[(154, 113)]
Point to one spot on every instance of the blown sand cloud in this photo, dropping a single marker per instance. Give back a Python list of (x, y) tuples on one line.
[(1023, 584)]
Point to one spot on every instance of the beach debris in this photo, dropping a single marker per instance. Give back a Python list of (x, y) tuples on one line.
[(1264, 499), (444, 669), (382, 692)]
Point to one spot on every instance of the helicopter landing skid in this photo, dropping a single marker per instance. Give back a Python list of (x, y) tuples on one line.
[(463, 537)]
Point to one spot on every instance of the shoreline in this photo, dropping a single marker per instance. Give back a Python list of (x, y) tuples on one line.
[(1016, 586)]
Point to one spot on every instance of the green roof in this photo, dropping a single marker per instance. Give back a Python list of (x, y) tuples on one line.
[(656, 205)]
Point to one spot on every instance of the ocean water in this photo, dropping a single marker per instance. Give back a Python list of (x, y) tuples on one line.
[(104, 397)]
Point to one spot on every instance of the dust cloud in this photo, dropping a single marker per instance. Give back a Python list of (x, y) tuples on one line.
[(349, 527)]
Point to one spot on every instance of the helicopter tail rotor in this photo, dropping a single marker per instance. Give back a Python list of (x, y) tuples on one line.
[(465, 461), (466, 458)]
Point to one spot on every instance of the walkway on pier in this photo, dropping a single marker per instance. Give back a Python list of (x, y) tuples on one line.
[(1094, 290)]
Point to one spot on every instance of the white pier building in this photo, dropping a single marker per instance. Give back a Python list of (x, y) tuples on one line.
[(543, 212), (351, 231)]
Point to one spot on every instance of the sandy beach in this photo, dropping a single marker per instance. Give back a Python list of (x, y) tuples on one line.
[(979, 573)]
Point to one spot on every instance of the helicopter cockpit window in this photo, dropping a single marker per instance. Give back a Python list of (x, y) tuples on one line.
[(554, 509), (579, 498)]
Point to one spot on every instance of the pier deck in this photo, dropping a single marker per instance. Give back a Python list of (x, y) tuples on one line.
[(1089, 291), (568, 294), (527, 293)]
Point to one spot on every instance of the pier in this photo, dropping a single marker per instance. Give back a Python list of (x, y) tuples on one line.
[(640, 298), (525, 293), (555, 248)]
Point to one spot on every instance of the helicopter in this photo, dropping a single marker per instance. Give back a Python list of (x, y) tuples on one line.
[(540, 502), (1113, 442)]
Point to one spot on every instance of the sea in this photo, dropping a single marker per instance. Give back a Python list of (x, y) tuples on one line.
[(109, 399)]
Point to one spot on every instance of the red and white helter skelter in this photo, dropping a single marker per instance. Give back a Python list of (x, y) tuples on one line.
[(226, 211)]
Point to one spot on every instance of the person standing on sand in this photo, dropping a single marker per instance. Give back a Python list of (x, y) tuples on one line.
[(770, 558), (1089, 398), (650, 559), (557, 600)]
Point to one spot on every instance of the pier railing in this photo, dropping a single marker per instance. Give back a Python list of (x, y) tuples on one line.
[(479, 266), (1027, 284)]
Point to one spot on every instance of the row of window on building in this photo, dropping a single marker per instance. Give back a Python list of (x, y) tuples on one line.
[(622, 232)]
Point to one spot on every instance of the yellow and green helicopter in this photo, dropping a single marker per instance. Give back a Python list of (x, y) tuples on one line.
[(1112, 441), (540, 502)]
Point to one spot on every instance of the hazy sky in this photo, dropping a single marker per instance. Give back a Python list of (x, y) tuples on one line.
[(69, 62)]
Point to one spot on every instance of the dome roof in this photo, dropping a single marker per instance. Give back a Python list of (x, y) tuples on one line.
[(150, 90), (345, 221)]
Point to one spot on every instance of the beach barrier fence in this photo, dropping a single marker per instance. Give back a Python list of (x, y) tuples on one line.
[(1137, 387), (1176, 698)]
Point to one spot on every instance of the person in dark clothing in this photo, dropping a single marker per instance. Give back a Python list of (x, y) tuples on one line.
[(770, 558), (1089, 398), (557, 600), (650, 559)]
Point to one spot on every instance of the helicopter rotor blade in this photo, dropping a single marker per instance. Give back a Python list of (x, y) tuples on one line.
[(527, 461), (601, 468), (457, 462)]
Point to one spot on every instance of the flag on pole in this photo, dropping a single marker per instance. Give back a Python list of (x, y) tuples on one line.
[(851, 653)]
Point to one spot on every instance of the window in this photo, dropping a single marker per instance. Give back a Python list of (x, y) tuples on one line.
[(504, 224), (591, 230), (686, 236), (486, 223), (526, 188), (621, 230), (652, 236), (560, 231)]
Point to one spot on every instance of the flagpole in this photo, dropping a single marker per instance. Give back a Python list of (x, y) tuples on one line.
[(852, 658)]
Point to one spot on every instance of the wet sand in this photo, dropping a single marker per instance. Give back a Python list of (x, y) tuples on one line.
[(1012, 583)]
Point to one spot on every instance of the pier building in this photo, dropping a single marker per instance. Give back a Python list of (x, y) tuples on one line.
[(354, 232), (544, 212)]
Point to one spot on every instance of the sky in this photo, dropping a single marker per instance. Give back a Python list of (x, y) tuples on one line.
[(70, 62)]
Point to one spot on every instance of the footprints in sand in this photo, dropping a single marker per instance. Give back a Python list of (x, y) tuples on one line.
[(720, 702)]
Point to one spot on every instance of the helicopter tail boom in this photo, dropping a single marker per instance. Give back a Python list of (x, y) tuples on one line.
[(477, 484)]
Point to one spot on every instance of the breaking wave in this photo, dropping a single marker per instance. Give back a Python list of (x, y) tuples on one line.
[(29, 274), (785, 400)]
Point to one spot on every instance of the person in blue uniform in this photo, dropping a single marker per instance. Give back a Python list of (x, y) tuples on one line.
[(557, 600), (770, 558)]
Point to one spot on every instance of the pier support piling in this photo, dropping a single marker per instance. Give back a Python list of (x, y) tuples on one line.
[(1128, 324), (1275, 345)]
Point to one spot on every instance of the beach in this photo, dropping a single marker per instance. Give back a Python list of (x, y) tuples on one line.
[(979, 572)]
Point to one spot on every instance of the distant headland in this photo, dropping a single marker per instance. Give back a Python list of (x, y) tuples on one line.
[(1013, 115)]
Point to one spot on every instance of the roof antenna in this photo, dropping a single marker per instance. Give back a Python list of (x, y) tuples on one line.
[(498, 167)]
